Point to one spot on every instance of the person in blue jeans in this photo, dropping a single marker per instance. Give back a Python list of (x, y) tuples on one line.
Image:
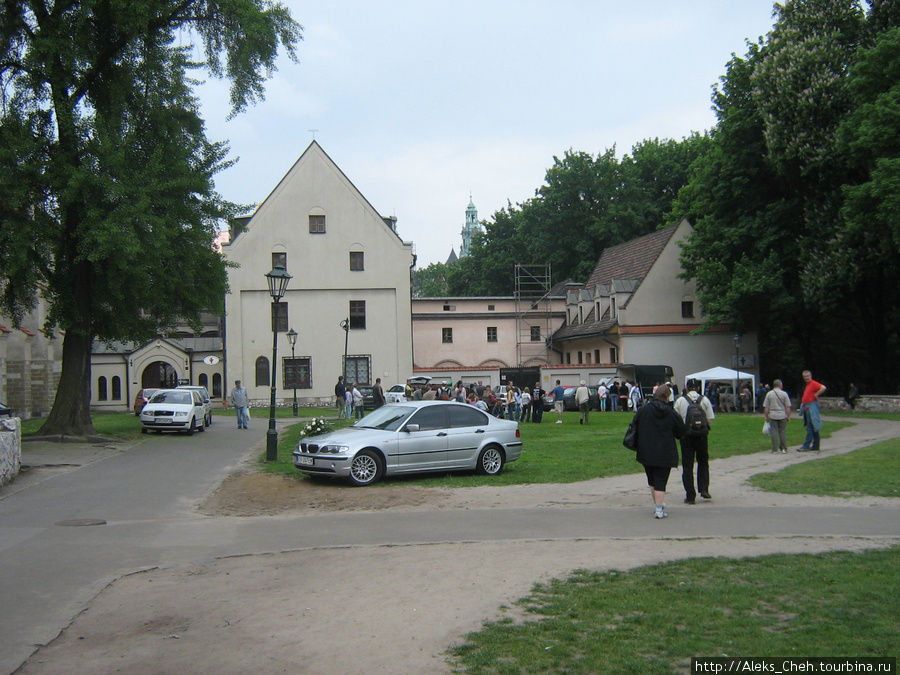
[(240, 399)]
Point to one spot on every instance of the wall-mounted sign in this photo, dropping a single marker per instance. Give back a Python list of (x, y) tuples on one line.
[(211, 360)]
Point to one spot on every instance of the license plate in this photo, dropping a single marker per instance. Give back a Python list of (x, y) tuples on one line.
[(164, 420), (306, 461)]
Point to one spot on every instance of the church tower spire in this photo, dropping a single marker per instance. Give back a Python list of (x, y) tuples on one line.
[(469, 228)]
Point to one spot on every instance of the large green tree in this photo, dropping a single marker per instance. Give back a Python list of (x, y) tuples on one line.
[(774, 247), (107, 200)]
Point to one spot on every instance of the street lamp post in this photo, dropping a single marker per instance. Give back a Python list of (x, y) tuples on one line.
[(278, 280), (292, 338), (345, 324), (737, 368)]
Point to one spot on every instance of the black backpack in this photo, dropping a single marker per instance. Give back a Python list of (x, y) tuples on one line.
[(695, 419)]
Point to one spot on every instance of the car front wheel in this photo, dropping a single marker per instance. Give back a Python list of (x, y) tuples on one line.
[(490, 461), (192, 426), (366, 468)]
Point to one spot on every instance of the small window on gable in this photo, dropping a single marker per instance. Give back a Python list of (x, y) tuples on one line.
[(317, 224), (357, 261), (687, 310), (279, 259)]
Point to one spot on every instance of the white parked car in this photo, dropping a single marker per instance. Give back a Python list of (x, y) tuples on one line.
[(207, 403), (411, 437), (396, 394), (174, 410)]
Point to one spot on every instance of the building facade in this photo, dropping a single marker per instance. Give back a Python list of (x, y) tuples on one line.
[(635, 310), (347, 264)]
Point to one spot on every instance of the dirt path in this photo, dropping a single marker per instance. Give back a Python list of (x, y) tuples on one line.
[(388, 609)]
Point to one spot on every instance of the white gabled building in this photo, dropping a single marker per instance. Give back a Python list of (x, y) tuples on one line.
[(347, 262)]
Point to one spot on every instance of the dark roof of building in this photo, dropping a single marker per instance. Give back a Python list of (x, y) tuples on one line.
[(631, 260)]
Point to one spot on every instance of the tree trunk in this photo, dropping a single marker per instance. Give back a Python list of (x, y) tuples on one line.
[(71, 412)]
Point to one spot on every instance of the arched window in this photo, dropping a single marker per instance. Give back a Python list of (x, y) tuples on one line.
[(203, 380), (262, 372), (101, 389), (217, 385), (116, 388)]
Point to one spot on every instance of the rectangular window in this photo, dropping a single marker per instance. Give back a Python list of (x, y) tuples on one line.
[(597, 355), (317, 224), (298, 372), (490, 308), (280, 317), (357, 261), (580, 358), (535, 333), (279, 260), (449, 308), (612, 308), (568, 358), (613, 355), (446, 335), (492, 334), (687, 310), (358, 369), (358, 314)]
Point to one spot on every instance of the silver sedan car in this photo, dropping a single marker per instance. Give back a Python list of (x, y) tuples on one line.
[(402, 438)]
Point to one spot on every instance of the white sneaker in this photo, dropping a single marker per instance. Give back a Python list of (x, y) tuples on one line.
[(661, 514), (559, 421)]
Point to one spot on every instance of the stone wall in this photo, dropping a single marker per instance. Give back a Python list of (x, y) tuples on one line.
[(10, 449), (866, 404)]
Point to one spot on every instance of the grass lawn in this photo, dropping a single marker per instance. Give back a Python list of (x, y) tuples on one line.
[(570, 452), (654, 619)]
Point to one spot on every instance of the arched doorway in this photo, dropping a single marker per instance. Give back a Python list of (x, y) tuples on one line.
[(159, 374)]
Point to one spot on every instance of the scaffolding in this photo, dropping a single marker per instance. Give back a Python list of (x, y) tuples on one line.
[(533, 313)]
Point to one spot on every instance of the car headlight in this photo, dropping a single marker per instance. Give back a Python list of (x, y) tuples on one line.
[(334, 450), (181, 414)]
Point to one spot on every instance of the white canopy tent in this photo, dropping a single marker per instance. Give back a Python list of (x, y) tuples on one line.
[(720, 374)]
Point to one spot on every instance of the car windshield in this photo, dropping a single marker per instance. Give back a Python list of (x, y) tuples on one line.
[(172, 397), (388, 418), (397, 387)]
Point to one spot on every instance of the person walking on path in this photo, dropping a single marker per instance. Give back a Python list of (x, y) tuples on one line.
[(809, 408), (583, 399), (697, 413), (339, 391), (658, 425), (240, 399), (558, 403), (777, 409)]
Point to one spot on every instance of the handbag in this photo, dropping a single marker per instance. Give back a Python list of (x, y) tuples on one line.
[(767, 428), (630, 440)]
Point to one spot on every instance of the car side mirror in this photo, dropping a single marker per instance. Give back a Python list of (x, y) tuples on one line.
[(411, 427)]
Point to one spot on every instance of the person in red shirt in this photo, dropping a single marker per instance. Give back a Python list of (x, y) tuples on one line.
[(809, 408)]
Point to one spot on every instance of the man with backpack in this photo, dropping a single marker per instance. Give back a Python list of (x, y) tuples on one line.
[(697, 413)]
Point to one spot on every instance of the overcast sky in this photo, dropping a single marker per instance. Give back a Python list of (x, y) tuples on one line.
[(422, 103)]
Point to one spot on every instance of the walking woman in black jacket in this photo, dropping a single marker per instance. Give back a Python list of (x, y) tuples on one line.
[(658, 425)]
